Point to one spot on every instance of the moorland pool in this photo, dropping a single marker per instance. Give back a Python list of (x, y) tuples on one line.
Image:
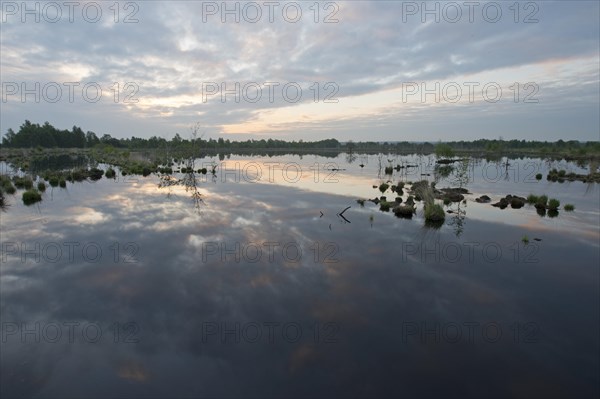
[(258, 280)]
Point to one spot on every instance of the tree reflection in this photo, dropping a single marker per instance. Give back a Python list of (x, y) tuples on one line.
[(189, 179), (458, 218)]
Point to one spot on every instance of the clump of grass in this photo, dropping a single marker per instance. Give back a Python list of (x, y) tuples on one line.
[(569, 207), (31, 197), (10, 189), (532, 199), (404, 211), (383, 187), (6, 185), (23, 182), (553, 204), (95, 174), (110, 173), (384, 206), (41, 186), (434, 213), (525, 239), (78, 175), (542, 201), (53, 181)]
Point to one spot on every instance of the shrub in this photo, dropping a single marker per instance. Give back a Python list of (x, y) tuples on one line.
[(31, 197), (383, 187), (553, 204), (41, 186), (525, 239), (569, 207), (389, 170), (538, 176), (62, 183), (53, 181)]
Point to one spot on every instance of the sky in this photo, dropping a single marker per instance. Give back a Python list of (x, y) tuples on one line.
[(351, 70)]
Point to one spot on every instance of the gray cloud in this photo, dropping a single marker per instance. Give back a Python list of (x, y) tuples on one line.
[(374, 47)]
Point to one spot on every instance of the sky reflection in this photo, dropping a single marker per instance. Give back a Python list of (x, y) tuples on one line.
[(357, 291)]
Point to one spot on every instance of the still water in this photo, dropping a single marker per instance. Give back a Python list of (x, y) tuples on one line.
[(259, 288)]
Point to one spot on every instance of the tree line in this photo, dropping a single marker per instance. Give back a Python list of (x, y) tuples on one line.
[(33, 135)]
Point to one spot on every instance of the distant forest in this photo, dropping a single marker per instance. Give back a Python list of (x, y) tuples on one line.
[(33, 135)]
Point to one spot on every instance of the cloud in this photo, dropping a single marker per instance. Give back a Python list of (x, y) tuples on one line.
[(170, 56)]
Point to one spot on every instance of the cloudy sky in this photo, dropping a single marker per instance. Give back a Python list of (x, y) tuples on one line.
[(304, 70)]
